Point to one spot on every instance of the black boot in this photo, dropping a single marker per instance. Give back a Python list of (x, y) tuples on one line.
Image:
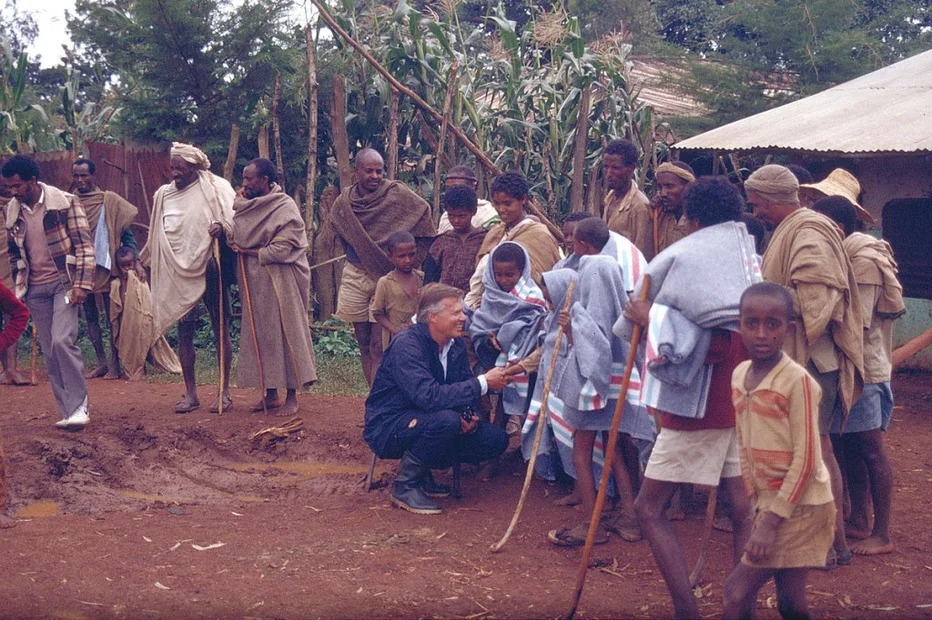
[(432, 488), (406, 491)]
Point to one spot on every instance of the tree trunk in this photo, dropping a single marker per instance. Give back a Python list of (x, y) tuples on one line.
[(311, 181), (447, 110), (231, 153), (392, 172), (277, 130), (264, 142), (578, 193), (340, 138), (325, 279)]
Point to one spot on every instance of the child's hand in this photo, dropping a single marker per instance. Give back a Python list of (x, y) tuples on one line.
[(638, 311), (760, 545), (514, 369), (565, 321), (494, 341)]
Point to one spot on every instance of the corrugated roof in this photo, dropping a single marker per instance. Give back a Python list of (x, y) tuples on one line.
[(886, 111)]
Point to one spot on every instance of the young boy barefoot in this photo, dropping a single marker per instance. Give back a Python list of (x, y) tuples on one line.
[(396, 293), (777, 403)]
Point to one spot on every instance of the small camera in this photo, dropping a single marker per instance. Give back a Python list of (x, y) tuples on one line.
[(467, 414)]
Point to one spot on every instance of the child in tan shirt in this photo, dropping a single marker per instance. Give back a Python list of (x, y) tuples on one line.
[(776, 407), (396, 293)]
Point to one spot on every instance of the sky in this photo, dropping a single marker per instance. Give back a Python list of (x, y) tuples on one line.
[(50, 17)]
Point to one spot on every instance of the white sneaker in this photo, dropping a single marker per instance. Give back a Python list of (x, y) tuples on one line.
[(63, 423), (78, 419)]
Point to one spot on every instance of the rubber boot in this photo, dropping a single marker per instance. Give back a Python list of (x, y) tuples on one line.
[(406, 491), (432, 488)]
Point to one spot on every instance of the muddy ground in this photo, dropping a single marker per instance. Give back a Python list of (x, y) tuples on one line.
[(148, 513)]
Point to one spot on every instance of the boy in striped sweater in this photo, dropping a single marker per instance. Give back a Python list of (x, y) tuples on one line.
[(776, 407)]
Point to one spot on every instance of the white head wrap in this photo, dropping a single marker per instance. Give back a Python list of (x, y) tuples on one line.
[(191, 154)]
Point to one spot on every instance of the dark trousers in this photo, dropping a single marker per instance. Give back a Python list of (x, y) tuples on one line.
[(436, 441)]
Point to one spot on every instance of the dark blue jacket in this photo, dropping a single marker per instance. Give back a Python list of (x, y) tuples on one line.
[(410, 379)]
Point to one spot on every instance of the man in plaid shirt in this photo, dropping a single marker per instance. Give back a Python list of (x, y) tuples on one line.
[(52, 259)]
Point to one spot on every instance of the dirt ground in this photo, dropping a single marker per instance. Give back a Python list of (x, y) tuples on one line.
[(148, 513)]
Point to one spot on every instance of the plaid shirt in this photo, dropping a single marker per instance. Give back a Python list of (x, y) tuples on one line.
[(452, 260), (67, 235)]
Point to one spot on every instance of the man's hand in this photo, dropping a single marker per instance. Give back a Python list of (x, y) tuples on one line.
[(78, 295), (245, 251), (638, 311), (215, 230), (497, 379), (760, 545), (468, 427)]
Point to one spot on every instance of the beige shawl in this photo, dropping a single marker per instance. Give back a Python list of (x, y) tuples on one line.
[(873, 263), (806, 248), (178, 258), (629, 216), (120, 216), (133, 329)]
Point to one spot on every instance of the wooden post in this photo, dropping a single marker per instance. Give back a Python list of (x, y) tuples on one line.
[(578, 193), (392, 172), (264, 142), (340, 138), (311, 181), (912, 347), (231, 153), (326, 246), (444, 126), (277, 131)]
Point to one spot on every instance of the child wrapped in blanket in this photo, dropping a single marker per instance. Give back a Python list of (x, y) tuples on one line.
[(505, 328)]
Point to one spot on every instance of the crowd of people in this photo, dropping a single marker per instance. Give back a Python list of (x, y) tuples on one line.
[(764, 370)]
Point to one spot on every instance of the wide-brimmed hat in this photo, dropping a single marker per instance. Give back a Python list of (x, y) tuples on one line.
[(839, 182)]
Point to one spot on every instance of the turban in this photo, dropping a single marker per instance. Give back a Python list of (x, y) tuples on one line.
[(682, 173), (775, 183), (190, 154)]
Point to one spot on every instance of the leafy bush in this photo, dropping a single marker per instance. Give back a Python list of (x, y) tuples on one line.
[(334, 338)]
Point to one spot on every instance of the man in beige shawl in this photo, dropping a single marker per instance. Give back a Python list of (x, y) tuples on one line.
[(109, 218), (180, 254), (671, 180), (269, 233), (806, 255), (364, 216), (627, 209)]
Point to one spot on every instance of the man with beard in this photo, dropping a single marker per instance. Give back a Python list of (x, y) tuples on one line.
[(109, 218), (269, 234), (672, 179)]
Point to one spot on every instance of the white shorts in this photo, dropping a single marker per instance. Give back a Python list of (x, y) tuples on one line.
[(694, 457)]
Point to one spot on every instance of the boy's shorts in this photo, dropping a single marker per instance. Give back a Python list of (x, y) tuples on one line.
[(872, 411), (694, 457), (355, 296), (802, 541)]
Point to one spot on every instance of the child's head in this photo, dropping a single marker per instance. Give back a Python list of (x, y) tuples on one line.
[(569, 226), (508, 263), (840, 210), (461, 204), (766, 315), (590, 236), (402, 250), (509, 196), (126, 260)]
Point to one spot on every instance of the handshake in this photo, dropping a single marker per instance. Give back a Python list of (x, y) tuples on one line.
[(497, 378)]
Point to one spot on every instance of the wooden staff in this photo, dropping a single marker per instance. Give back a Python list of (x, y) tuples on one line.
[(655, 223), (252, 328), (609, 455), (328, 261), (706, 536), (222, 326), (541, 422), (33, 379)]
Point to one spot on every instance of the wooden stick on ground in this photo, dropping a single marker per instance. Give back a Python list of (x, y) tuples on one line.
[(706, 537), (33, 378), (252, 328), (367, 481), (222, 326), (609, 455), (541, 422)]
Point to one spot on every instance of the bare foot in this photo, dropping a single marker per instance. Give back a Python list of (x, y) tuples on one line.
[(289, 408), (270, 403), (675, 514), (572, 499), (96, 371), (6, 522), (139, 375), (873, 545), (11, 377), (857, 530), (112, 375)]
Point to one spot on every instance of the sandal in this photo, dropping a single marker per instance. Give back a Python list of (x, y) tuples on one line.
[(575, 536), (227, 405), (836, 558), (187, 406), (627, 528), (513, 427)]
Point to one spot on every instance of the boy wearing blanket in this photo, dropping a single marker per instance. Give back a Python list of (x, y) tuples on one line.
[(691, 351), (505, 328)]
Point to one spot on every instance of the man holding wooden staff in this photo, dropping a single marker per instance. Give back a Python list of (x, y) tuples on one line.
[(276, 350), (421, 405), (180, 252)]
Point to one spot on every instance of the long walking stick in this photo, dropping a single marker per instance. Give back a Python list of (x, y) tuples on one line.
[(541, 422), (33, 379), (655, 224), (706, 536), (609, 455), (252, 328), (222, 327)]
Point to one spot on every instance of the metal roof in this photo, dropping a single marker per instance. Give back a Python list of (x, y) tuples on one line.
[(886, 111)]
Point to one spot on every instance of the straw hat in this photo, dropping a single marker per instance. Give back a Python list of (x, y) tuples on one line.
[(839, 182)]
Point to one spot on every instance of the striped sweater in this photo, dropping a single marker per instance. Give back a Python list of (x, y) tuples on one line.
[(778, 438)]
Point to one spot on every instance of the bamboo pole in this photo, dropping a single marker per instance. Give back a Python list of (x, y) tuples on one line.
[(444, 126), (578, 192), (340, 138), (252, 329), (277, 130), (609, 455), (541, 422), (312, 103), (231, 153), (394, 101)]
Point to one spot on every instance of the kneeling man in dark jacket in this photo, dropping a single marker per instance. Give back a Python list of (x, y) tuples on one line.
[(419, 408)]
